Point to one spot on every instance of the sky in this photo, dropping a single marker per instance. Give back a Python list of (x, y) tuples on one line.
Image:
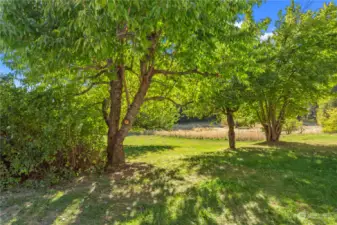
[(270, 9)]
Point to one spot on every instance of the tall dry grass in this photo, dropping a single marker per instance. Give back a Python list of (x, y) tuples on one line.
[(251, 134), (211, 133)]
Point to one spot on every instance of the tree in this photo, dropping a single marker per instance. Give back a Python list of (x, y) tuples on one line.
[(295, 66), (92, 43), (224, 94), (223, 97)]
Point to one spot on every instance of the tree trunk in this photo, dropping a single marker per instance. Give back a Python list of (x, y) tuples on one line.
[(231, 132), (272, 133), (116, 136), (114, 155), (134, 108), (271, 122)]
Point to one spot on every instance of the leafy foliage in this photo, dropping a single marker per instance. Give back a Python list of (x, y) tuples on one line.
[(292, 125), (87, 44), (327, 115), (329, 122), (295, 66), (157, 115), (44, 130)]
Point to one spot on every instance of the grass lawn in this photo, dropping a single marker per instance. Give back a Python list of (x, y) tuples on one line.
[(186, 181)]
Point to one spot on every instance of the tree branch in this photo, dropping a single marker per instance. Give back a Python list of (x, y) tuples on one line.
[(105, 111), (124, 34), (131, 70), (96, 67), (127, 95), (167, 72), (161, 98), (90, 87), (97, 74)]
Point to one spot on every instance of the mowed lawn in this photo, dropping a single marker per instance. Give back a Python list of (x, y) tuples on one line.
[(186, 181)]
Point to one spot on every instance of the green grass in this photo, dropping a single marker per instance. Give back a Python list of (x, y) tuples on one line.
[(186, 181)]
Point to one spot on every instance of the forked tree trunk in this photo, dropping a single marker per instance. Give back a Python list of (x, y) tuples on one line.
[(116, 135), (231, 125), (118, 131)]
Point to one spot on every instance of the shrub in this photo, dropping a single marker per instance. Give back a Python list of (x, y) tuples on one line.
[(292, 125), (327, 115), (329, 121), (45, 134)]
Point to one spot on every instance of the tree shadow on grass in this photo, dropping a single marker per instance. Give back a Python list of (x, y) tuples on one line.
[(133, 151), (117, 196), (255, 185), (301, 147), (290, 178)]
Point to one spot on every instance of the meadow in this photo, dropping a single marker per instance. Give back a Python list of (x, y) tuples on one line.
[(171, 180)]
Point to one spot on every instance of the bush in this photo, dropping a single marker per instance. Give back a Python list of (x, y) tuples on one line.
[(292, 125), (45, 134), (329, 121), (327, 115)]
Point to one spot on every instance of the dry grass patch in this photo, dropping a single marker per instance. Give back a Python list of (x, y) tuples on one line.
[(203, 132)]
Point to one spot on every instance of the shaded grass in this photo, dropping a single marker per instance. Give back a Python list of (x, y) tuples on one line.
[(134, 151), (184, 181)]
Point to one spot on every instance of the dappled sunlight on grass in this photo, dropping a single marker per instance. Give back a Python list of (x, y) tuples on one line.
[(70, 213), (202, 182), (57, 195)]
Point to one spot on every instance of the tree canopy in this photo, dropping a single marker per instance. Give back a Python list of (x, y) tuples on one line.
[(82, 45)]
